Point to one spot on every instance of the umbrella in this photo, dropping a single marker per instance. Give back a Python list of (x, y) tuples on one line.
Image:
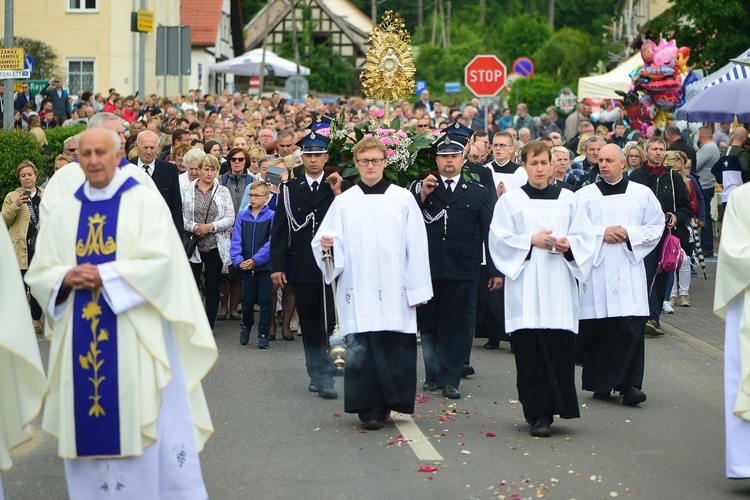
[(249, 64), (719, 103), (697, 249)]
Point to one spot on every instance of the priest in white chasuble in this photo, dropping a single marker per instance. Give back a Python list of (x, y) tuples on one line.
[(130, 341), (379, 245), (628, 224), (22, 381), (542, 241), (732, 303)]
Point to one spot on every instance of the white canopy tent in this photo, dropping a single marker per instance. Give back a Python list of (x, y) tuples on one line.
[(249, 64), (731, 71), (604, 86)]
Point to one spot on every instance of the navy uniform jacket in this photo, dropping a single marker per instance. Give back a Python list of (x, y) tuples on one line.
[(295, 246), (457, 253), (485, 179)]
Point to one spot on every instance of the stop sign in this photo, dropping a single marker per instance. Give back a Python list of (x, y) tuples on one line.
[(485, 75)]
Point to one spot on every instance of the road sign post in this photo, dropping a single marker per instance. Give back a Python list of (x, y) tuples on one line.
[(485, 75)]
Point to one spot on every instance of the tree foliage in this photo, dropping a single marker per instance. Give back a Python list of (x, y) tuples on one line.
[(565, 56), (715, 30), (521, 36), (45, 58), (537, 92), (18, 146)]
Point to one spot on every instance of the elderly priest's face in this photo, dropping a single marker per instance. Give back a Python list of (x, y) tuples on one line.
[(99, 154)]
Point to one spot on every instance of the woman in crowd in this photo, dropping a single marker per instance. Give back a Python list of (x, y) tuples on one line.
[(208, 212), (21, 215), (190, 162), (236, 181), (240, 141), (680, 289), (634, 155), (256, 153)]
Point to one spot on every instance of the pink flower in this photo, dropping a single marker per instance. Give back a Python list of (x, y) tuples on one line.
[(396, 142), (380, 131), (366, 136), (390, 153), (325, 132), (402, 134), (387, 141), (435, 133)]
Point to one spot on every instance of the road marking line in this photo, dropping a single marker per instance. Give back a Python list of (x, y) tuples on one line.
[(419, 443)]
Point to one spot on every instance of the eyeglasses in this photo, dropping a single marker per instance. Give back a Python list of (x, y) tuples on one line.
[(634, 156), (499, 146), (474, 157), (72, 150), (423, 125), (254, 195), (238, 159), (375, 161)]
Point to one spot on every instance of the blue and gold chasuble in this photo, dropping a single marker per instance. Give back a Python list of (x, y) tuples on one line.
[(95, 365)]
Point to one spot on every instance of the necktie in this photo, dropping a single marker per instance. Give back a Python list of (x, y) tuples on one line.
[(147, 169), (315, 187), (449, 185)]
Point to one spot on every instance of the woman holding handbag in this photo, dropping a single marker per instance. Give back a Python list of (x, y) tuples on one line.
[(208, 212)]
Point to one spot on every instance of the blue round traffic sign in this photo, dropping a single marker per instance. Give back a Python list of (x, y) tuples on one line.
[(28, 63), (523, 66)]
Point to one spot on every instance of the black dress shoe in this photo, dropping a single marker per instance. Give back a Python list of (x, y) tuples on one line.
[(542, 427), (372, 424), (602, 395), (451, 392), (429, 386), (467, 370), (327, 392), (492, 345), (633, 396), (313, 387)]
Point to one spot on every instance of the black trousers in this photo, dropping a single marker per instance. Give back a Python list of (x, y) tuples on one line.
[(212, 261), (446, 324), (659, 288), (490, 320), (257, 289), (545, 367), (381, 374), (36, 309), (611, 351), (315, 337)]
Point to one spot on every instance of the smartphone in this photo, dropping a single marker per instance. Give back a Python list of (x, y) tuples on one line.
[(550, 242), (27, 192)]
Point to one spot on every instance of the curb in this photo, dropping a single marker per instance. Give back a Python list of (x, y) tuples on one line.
[(702, 346)]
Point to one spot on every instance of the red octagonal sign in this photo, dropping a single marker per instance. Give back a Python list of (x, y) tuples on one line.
[(485, 75)]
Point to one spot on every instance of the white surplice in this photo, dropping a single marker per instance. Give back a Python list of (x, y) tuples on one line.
[(541, 291), (617, 283), (380, 257), (162, 330), (732, 302), (22, 381)]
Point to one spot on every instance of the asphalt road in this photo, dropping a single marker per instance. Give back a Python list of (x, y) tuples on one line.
[(276, 440)]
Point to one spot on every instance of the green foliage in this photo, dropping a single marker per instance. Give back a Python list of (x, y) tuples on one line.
[(566, 56), (585, 15), (537, 92), (715, 30), (521, 36), (18, 146), (45, 57), (56, 136)]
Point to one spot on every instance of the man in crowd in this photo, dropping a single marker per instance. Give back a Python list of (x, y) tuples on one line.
[(628, 222), (735, 164), (164, 174), (115, 304), (70, 146), (302, 204), (572, 122), (619, 136), (705, 158), (669, 188), (584, 127), (59, 99), (457, 214), (586, 172), (721, 136), (524, 120), (24, 98), (378, 290), (677, 143), (285, 143)]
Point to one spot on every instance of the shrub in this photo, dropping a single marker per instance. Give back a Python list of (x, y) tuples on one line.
[(18, 146), (57, 136)]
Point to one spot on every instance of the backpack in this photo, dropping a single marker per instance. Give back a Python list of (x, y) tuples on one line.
[(671, 256)]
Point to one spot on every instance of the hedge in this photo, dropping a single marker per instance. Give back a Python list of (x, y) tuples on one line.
[(56, 136), (17, 146)]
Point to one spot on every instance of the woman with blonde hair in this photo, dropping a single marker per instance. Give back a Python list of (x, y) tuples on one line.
[(21, 216), (634, 155), (678, 161)]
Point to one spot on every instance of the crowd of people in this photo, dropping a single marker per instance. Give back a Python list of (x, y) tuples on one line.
[(528, 230)]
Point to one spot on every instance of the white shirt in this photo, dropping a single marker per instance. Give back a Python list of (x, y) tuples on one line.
[(452, 185), (151, 167), (310, 181)]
